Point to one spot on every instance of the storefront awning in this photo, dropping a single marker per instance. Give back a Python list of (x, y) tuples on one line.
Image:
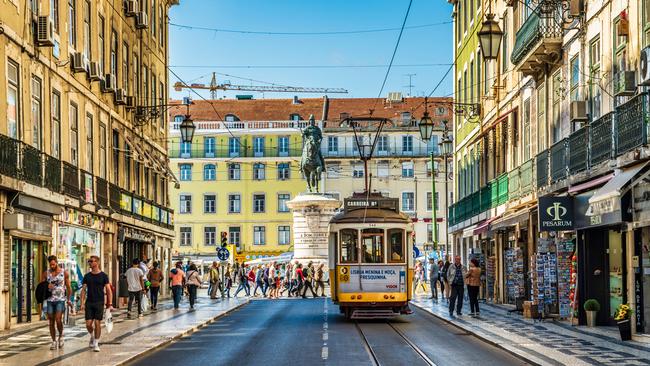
[(484, 226), (608, 197), (469, 231), (590, 184), (511, 219)]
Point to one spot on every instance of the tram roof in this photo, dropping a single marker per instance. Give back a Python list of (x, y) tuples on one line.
[(370, 208)]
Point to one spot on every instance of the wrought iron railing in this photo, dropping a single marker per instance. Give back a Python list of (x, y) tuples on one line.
[(559, 160), (31, 166), (87, 187), (542, 164), (534, 29), (71, 180), (601, 140), (579, 150), (630, 128), (9, 156), (514, 183), (526, 177), (52, 178), (503, 188), (101, 188), (114, 196)]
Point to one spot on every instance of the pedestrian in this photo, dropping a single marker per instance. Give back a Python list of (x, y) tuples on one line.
[(193, 283), (215, 280), (243, 281), (271, 279), (288, 279), (251, 277), (144, 266), (308, 274), (318, 279), (155, 277), (95, 292), (441, 277), (300, 279), (418, 277), (445, 271), (433, 278), (259, 281), (228, 279), (473, 279), (456, 276), (135, 282), (177, 282), (59, 290)]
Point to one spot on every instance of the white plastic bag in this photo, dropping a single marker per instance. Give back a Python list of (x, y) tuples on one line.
[(145, 303), (108, 320)]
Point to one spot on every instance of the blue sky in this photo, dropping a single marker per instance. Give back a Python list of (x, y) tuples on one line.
[(427, 45)]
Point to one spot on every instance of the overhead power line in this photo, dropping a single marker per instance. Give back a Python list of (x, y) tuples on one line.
[(321, 33), (304, 66)]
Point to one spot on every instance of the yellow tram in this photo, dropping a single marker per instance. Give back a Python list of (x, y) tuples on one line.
[(371, 257)]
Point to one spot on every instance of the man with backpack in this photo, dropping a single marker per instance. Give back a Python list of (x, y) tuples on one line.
[(308, 273), (215, 280), (55, 290)]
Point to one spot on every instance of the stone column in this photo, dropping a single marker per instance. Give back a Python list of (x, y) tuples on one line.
[(311, 217)]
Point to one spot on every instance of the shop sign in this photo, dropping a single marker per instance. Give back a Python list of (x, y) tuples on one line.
[(555, 213), (137, 206), (125, 202), (638, 300), (72, 216), (641, 200), (164, 216), (155, 213), (34, 223), (131, 233), (146, 210), (88, 187), (585, 217)]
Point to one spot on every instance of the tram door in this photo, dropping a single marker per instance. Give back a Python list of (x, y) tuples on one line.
[(372, 246)]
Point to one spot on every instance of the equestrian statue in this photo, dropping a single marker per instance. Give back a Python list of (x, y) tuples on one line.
[(312, 163)]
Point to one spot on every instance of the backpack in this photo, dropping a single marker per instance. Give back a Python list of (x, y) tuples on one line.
[(42, 292)]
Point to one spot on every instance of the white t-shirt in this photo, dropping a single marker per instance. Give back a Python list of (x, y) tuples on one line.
[(133, 276)]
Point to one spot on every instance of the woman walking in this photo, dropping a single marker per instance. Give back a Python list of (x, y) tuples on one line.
[(193, 283), (155, 277), (228, 278), (271, 280), (441, 277), (418, 277), (473, 279)]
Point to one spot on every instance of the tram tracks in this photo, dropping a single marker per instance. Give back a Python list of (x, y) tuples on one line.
[(380, 350)]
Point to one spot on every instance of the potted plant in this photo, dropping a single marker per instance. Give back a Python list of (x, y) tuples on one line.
[(622, 317), (592, 307)]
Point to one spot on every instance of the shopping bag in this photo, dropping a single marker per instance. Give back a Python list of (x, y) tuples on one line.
[(145, 303), (108, 320)]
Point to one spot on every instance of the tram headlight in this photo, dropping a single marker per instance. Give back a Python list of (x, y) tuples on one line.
[(386, 297), (392, 297), (359, 297), (353, 297)]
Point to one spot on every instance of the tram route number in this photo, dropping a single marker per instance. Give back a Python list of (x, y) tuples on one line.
[(344, 274)]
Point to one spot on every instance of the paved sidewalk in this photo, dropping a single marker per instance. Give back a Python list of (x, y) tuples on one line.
[(129, 339), (544, 343)]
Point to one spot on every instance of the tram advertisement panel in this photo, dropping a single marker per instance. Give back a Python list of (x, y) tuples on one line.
[(354, 278)]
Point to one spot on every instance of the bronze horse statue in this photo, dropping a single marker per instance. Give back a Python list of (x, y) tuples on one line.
[(311, 164)]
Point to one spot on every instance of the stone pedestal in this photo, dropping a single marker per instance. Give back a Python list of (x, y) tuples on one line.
[(311, 216)]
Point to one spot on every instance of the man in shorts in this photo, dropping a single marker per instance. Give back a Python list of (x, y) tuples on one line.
[(58, 284), (96, 292)]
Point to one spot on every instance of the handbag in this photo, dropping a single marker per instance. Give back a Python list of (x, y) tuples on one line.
[(108, 320)]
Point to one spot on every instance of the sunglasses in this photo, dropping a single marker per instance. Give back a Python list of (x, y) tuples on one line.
[(91, 261)]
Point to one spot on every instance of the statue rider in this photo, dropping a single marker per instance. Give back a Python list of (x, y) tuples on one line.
[(314, 133)]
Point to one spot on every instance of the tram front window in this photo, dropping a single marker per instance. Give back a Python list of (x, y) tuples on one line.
[(349, 240), (372, 245), (396, 246)]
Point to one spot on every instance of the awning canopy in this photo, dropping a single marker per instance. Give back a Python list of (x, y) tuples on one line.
[(469, 231), (484, 226), (608, 197), (511, 219)]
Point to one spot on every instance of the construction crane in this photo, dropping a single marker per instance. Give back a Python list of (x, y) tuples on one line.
[(213, 87)]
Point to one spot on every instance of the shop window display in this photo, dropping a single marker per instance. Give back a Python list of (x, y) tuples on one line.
[(514, 268), (76, 245)]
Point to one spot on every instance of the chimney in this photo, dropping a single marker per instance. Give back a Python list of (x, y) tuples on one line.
[(296, 100), (326, 107)]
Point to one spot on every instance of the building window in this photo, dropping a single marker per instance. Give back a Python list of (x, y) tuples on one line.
[(234, 236), (407, 169), (186, 203), (54, 14), (332, 144), (231, 118), (429, 201), (382, 145), (56, 124), (283, 146), (153, 18), (357, 169), (72, 23), (144, 95), (575, 78), (13, 99), (127, 166), (209, 172), (283, 171), (407, 144), (408, 203), (556, 96), (89, 143), (161, 27), (383, 168), (525, 133), (294, 117), (209, 147), (74, 135), (234, 171), (186, 172), (333, 170), (113, 60), (433, 146), (37, 124), (186, 149), (441, 111), (116, 157), (258, 146), (210, 236), (186, 236), (259, 235), (233, 146), (541, 118), (209, 203), (284, 235), (259, 203), (125, 67), (87, 28), (102, 36), (234, 203), (283, 198), (505, 53), (406, 118), (595, 98), (259, 171)]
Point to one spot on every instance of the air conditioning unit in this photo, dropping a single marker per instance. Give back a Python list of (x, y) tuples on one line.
[(120, 96), (130, 102), (94, 71), (644, 66), (131, 8), (141, 20), (578, 112), (45, 33), (624, 84), (576, 7), (109, 83), (140, 112), (79, 62)]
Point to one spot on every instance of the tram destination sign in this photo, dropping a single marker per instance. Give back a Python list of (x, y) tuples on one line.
[(377, 278), (371, 202), (556, 213)]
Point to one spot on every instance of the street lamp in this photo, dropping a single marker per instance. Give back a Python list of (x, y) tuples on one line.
[(490, 37), (426, 126), (187, 127), (426, 130)]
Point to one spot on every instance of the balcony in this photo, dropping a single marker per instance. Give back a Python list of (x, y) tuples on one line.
[(487, 197), (71, 180), (579, 150), (559, 161), (114, 197), (514, 183), (87, 187), (52, 178), (9, 156), (526, 173), (538, 42), (542, 164), (102, 192), (243, 152), (630, 129), (31, 165), (601, 139)]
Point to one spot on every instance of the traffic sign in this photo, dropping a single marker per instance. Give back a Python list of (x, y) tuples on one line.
[(223, 254)]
